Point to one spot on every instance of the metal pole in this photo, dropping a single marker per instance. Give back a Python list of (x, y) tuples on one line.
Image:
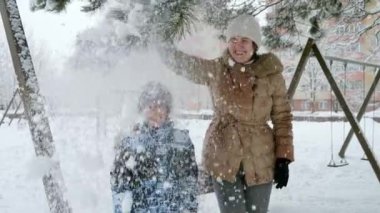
[(351, 61), (33, 104)]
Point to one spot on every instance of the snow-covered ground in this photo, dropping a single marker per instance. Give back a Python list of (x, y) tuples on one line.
[(86, 154), (86, 157)]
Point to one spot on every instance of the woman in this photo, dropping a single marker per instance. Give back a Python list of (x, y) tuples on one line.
[(242, 153), (157, 164)]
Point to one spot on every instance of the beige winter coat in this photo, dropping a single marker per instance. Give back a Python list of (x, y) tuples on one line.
[(245, 98)]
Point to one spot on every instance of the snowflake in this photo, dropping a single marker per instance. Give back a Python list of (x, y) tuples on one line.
[(131, 163), (167, 185), (231, 62)]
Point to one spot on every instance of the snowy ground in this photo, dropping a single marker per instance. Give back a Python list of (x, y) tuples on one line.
[(86, 158)]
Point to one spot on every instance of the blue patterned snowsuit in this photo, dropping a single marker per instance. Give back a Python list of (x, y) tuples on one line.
[(158, 167)]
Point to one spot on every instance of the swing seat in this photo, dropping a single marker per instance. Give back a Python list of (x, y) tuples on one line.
[(342, 162)]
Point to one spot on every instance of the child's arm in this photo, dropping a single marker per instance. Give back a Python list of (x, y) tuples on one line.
[(193, 180), (117, 200), (121, 175), (188, 169)]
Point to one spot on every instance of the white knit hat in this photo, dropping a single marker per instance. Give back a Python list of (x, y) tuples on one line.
[(244, 26), (155, 92)]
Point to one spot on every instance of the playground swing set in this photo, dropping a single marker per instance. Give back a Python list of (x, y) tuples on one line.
[(366, 97), (312, 49)]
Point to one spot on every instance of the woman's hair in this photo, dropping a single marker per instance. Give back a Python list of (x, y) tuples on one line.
[(155, 92), (255, 56)]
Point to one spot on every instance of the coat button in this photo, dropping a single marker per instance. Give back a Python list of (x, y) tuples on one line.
[(242, 69)]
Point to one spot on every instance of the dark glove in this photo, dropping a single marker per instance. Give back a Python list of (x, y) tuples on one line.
[(281, 172)]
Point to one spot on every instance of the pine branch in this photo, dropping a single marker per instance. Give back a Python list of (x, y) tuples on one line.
[(119, 14), (175, 18), (50, 5), (218, 13), (93, 5), (172, 19), (282, 20), (265, 7)]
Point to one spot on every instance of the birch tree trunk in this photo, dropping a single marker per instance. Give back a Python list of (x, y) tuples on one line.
[(34, 105)]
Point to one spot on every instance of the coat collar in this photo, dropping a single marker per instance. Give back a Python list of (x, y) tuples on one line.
[(266, 64), (165, 126)]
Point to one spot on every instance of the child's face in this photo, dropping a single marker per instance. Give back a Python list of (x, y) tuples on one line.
[(156, 114)]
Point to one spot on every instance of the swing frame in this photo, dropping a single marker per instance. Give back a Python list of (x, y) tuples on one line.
[(312, 48), (361, 112), (9, 106), (373, 115)]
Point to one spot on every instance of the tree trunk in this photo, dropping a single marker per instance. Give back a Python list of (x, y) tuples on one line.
[(33, 104)]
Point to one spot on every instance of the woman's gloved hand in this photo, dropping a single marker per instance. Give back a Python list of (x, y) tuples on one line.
[(281, 172)]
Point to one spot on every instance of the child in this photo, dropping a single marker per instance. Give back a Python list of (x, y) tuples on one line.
[(156, 165)]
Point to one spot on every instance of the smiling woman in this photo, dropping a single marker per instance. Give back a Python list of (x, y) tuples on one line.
[(244, 37), (241, 152)]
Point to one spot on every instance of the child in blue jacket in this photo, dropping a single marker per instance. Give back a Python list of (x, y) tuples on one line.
[(156, 165)]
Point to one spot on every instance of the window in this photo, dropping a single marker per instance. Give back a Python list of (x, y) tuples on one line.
[(356, 85), (348, 29), (355, 8), (323, 105), (378, 38), (353, 28), (324, 87), (353, 47), (359, 7), (340, 29), (306, 105), (353, 67), (337, 67)]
